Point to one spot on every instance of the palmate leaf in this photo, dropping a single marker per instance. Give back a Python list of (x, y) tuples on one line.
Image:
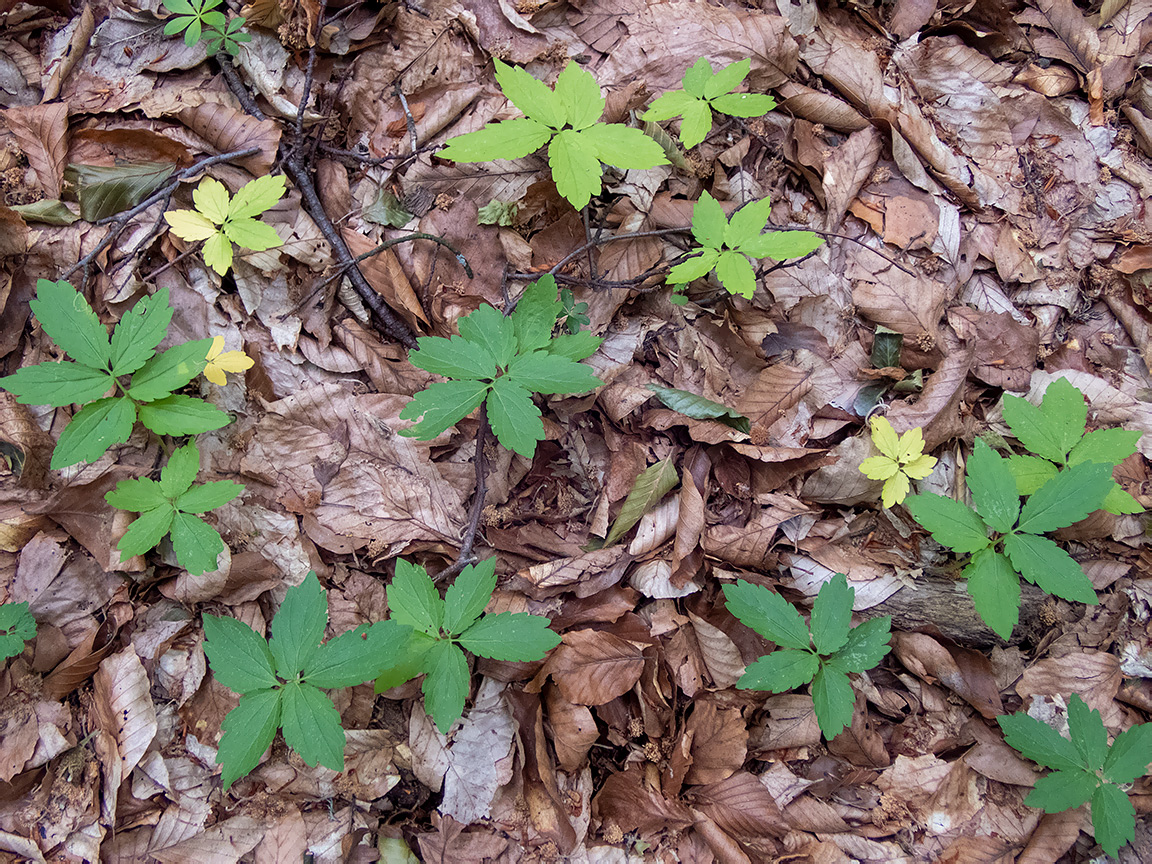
[(653, 483), (575, 167), (696, 77), (950, 522), (513, 636), (455, 357), (708, 222), (509, 139), (180, 415), (441, 405), (1129, 755), (580, 95), (832, 615), (211, 200), (178, 475), (208, 496), (66, 316), (1113, 818), (514, 417), (993, 488), (1039, 742), (17, 626), (1068, 497), (535, 314), (1052, 429), (467, 596), (694, 268), (249, 729), (311, 725), (768, 614), (169, 371), (1105, 445), (239, 655), (575, 346), (97, 427), (217, 252), (1062, 790), (782, 245), (148, 530), (492, 331), (618, 145), (356, 656), (995, 589), (1049, 567), (137, 495), (780, 671), (833, 699), (446, 685), (532, 96), (1088, 733), (196, 543), (190, 225), (696, 123), (299, 626), (727, 79), (256, 196), (413, 599), (867, 645), (735, 274), (57, 384), (744, 104), (139, 332), (670, 105), (1030, 472), (252, 234), (747, 223), (407, 662), (543, 372)]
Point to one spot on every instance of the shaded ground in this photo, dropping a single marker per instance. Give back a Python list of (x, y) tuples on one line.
[(1001, 159)]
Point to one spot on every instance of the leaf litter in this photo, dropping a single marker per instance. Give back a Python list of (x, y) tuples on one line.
[(995, 220)]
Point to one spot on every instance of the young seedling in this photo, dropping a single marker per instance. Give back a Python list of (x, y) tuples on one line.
[(726, 245), (221, 361), (574, 315), (221, 221), (567, 120), (279, 682), (824, 654), (1017, 547), (705, 91), (1055, 433), (501, 360), (17, 626), (100, 364), (440, 628), (1085, 768), (200, 19), (901, 458), (169, 507)]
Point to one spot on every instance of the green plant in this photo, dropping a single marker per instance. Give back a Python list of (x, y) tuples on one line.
[(705, 91), (99, 365), (901, 457), (567, 120), (574, 315), (200, 19), (824, 654), (17, 626), (168, 507), (726, 245), (442, 627), (501, 360), (1084, 768), (279, 682), (1055, 433), (221, 221), (1017, 547)]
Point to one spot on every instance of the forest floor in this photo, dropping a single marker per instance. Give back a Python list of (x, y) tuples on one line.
[(983, 173)]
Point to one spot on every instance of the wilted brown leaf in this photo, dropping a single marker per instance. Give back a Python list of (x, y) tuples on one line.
[(592, 667)]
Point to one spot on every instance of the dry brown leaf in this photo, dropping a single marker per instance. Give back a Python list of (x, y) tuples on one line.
[(387, 278), (719, 743), (741, 805), (574, 729), (847, 170), (285, 841), (223, 843), (592, 667), (627, 801), (1094, 675), (13, 233), (123, 706), (774, 392), (478, 762), (228, 130), (936, 411), (930, 660), (719, 653), (908, 16), (42, 133), (1053, 837)]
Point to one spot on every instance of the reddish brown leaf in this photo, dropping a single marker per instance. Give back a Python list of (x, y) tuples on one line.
[(42, 132), (592, 667)]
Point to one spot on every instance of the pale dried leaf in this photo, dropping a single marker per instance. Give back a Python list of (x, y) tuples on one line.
[(42, 133), (478, 760), (720, 654), (123, 706)]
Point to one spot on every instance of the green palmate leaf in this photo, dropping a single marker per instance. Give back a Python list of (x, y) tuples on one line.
[(1046, 565), (736, 274), (255, 197), (446, 685), (1051, 430), (533, 97), (169, 371), (467, 596), (709, 222), (744, 104), (1030, 472), (575, 167), (950, 522), (1105, 445), (57, 384), (413, 599), (181, 415), (514, 417), (1130, 754), (66, 316), (148, 530), (407, 662), (867, 645), (509, 139), (208, 496), (832, 615), (833, 699), (1066, 498), (580, 95), (1119, 502), (1113, 818), (781, 245), (17, 626), (180, 473), (575, 346), (137, 495), (252, 234), (535, 314), (670, 105), (311, 725), (694, 268), (768, 614), (1040, 742), (727, 79), (196, 543), (993, 488), (107, 190), (249, 730), (747, 222), (653, 483), (493, 332), (696, 77), (357, 656), (1088, 733), (299, 626), (623, 147), (441, 405), (782, 670), (453, 358), (1062, 790), (239, 656), (543, 372), (699, 408), (696, 123), (97, 427), (139, 332), (515, 636), (995, 589)]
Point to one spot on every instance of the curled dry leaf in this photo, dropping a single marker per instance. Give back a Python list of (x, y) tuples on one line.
[(42, 133), (592, 667), (719, 743), (123, 706), (228, 130)]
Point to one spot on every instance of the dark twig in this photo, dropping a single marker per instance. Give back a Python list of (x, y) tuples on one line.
[(120, 220), (369, 161), (408, 118), (237, 87), (468, 540)]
